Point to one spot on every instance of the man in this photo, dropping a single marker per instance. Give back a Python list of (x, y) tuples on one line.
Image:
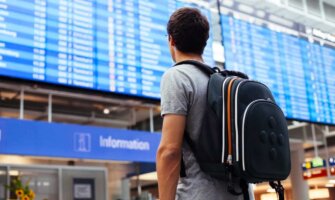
[(183, 103)]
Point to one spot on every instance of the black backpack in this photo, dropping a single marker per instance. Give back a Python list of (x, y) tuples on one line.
[(244, 133)]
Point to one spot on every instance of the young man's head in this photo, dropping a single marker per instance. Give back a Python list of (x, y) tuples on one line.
[(188, 31)]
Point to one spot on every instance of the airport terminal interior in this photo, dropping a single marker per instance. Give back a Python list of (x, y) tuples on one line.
[(80, 90)]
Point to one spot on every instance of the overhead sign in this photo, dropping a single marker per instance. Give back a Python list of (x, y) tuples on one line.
[(112, 46), (332, 161), (315, 163), (22, 137), (318, 162), (299, 72), (317, 173)]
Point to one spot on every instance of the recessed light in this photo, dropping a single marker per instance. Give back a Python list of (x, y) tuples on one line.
[(106, 111)]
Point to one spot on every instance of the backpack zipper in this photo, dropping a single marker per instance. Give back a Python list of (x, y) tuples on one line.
[(236, 121), (223, 120), (230, 134)]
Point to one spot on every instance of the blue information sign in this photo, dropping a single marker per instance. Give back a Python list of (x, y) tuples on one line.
[(21, 137), (300, 74), (109, 45)]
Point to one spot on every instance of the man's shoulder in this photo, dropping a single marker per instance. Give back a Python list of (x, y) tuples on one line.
[(176, 73)]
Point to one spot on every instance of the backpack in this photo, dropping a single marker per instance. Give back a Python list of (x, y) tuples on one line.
[(244, 133)]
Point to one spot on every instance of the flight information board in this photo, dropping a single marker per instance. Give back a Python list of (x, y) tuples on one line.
[(300, 74), (109, 45)]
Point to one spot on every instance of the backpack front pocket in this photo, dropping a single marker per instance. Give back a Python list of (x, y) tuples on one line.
[(266, 138)]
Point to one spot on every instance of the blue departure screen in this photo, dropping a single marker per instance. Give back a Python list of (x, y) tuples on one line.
[(109, 45), (300, 74)]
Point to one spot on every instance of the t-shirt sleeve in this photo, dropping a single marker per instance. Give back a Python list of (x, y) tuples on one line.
[(176, 92)]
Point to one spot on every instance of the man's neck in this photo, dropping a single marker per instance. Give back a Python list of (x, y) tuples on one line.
[(188, 56)]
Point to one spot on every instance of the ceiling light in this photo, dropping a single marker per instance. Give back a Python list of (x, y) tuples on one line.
[(228, 3), (14, 173), (152, 176), (106, 111), (319, 193)]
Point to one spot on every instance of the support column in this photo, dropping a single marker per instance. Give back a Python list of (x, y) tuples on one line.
[(151, 113), (50, 108), (21, 104), (125, 188), (299, 185)]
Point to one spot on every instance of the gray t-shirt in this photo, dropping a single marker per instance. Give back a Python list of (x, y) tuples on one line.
[(184, 91)]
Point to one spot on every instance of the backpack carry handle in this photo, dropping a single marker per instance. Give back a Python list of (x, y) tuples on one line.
[(234, 73), (209, 70)]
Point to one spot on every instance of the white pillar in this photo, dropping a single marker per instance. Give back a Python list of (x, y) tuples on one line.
[(21, 104), (151, 113), (125, 188), (50, 108), (299, 185)]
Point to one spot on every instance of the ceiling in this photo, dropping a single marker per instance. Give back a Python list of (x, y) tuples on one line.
[(69, 106), (318, 14)]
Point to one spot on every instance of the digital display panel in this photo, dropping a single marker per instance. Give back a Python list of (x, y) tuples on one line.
[(300, 74), (108, 45)]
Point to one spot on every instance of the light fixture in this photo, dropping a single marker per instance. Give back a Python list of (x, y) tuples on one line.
[(151, 176), (329, 185), (228, 3), (106, 111), (46, 183), (14, 173), (319, 193)]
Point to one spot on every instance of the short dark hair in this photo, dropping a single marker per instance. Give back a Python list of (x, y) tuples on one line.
[(189, 30)]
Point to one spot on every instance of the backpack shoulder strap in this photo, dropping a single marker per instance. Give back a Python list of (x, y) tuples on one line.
[(209, 70), (203, 67), (278, 188)]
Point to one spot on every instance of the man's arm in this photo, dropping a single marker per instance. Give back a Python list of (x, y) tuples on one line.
[(169, 155)]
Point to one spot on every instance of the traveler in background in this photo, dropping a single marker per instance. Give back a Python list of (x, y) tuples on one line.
[(183, 103)]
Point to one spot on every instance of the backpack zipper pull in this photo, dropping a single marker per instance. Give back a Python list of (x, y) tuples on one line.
[(229, 159)]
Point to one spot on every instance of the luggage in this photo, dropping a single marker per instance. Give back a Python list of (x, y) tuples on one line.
[(244, 133)]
